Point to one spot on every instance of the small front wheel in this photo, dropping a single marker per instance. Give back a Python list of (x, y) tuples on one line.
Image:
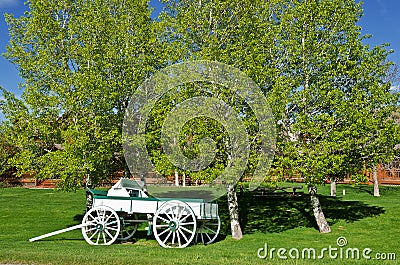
[(129, 226), (101, 226)]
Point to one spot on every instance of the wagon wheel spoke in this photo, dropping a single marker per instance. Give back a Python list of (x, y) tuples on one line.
[(173, 237), (163, 232), (176, 212), (163, 219), (181, 210), (98, 238), (187, 230), (91, 216), (169, 217), (190, 223), (179, 238), (184, 219), (209, 238), (183, 234), (209, 229), (104, 238), (91, 229), (94, 234), (100, 213), (167, 237), (108, 222), (108, 233)]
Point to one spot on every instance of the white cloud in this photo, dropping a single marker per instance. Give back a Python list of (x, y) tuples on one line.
[(9, 3)]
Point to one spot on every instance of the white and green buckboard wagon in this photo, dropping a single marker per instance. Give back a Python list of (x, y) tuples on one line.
[(115, 215)]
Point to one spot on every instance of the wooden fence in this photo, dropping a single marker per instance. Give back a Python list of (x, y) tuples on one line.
[(386, 176)]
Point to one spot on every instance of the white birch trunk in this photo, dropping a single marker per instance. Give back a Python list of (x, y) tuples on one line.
[(323, 225), (376, 183), (234, 212), (333, 187), (176, 178)]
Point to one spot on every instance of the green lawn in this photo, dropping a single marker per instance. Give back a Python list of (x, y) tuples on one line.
[(278, 221)]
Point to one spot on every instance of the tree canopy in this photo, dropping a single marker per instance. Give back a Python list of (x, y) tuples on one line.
[(82, 60)]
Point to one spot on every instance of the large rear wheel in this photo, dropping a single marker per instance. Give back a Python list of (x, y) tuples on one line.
[(174, 224), (208, 230)]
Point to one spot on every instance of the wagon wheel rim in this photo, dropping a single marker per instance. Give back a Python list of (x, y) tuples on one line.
[(208, 230), (174, 224), (128, 227), (102, 226)]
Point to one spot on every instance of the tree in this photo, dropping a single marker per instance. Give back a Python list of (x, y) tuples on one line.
[(7, 148), (233, 33), (392, 77), (325, 87), (7, 151), (337, 106), (80, 61)]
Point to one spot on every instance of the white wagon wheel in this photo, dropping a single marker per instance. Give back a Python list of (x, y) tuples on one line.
[(102, 226), (174, 224), (208, 230), (128, 226)]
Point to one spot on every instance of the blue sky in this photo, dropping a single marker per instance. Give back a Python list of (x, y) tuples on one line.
[(381, 19)]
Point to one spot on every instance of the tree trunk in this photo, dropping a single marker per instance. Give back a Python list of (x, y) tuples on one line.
[(234, 212), (89, 183), (376, 183), (318, 213), (176, 178), (333, 187), (143, 179)]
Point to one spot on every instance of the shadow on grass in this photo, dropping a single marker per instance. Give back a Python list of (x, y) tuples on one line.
[(274, 214), (366, 189)]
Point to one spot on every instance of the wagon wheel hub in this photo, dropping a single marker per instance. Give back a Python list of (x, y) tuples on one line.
[(100, 227), (173, 225)]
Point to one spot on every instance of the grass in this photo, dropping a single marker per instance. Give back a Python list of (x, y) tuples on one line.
[(278, 221)]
